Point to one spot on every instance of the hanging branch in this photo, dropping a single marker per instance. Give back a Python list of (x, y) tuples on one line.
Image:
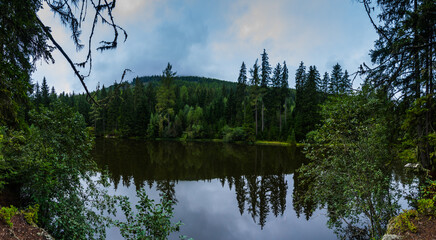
[(81, 78), (68, 18)]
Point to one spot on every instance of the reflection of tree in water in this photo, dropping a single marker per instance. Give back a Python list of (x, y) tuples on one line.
[(256, 172), (261, 195), (301, 202), (167, 189)]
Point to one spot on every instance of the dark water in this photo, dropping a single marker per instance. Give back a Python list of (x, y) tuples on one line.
[(222, 191)]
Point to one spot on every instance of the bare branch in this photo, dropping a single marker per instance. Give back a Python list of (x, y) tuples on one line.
[(81, 78)]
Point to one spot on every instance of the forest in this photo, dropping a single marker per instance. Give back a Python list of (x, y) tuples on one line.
[(259, 106)]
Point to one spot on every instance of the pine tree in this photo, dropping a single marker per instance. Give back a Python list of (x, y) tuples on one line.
[(284, 91), (266, 70), (336, 79), (241, 93), (166, 98), (38, 97), (345, 84), (276, 91), (53, 95), (324, 88), (254, 90), (264, 83), (300, 82), (277, 74), (404, 54), (45, 100)]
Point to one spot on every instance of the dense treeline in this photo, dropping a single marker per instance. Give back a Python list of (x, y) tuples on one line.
[(260, 105)]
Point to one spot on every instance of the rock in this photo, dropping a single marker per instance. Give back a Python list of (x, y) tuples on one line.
[(412, 165), (391, 237)]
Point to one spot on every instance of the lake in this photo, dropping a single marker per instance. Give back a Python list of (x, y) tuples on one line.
[(222, 191)]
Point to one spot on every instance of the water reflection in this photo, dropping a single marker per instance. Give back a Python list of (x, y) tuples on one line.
[(256, 173)]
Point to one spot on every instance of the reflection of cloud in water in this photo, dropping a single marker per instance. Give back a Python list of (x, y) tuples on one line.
[(215, 215)]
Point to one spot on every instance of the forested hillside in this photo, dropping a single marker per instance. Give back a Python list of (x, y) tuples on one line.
[(259, 106)]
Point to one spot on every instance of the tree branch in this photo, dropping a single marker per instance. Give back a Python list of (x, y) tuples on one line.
[(81, 78)]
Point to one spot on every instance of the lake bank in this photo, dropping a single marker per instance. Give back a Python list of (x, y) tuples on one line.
[(217, 140)]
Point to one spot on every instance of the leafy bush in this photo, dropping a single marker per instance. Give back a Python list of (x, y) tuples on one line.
[(6, 214), (426, 206), (31, 214), (402, 222), (234, 134), (54, 168), (152, 221), (348, 173)]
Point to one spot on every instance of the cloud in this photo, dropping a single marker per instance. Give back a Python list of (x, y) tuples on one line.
[(212, 38)]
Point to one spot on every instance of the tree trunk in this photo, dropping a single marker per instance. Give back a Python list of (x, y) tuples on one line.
[(285, 113), (255, 116), (263, 107), (280, 117)]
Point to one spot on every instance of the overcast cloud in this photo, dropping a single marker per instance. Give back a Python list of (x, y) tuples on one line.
[(212, 38)]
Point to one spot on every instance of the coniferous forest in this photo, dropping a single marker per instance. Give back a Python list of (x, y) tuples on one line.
[(259, 106)]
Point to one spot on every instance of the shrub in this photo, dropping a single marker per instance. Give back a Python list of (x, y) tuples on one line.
[(152, 221), (6, 214), (403, 222), (426, 206), (234, 134), (31, 214)]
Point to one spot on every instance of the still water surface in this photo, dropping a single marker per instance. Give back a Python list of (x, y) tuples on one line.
[(222, 191)]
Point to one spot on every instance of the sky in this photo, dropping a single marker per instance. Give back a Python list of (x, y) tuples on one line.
[(212, 38)]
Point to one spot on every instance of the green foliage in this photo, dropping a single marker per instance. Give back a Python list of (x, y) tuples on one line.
[(347, 173), (152, 221), (54, 170), (415, 143), (31, 214), (234, 134), (6, 214), (403, 223), (426, 206), (429, 190)]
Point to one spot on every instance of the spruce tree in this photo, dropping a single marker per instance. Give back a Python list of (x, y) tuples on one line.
[(336, 79), (284, 92), (45, 100), (266, 70), (255, 91), (300, 82), (275, 97), (404, 55), (38, 96), (345, 84), (324, 88), (277, 74), (166, 98)]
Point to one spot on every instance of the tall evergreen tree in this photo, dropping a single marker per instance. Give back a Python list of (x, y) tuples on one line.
[(345, 84), (405, 54), (38, 96), (241, 92), (284, 92), (45, 93), (266, 70), (277, 74), (264, 83), (166, 98), (300, 82), (324, 88), (53, 95), (254, 91), (335, 79)]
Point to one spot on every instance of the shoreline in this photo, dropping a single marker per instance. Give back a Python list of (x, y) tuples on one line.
[(258, 142)]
